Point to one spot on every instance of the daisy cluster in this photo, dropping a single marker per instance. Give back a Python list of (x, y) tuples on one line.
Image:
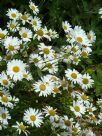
[(28, 44)]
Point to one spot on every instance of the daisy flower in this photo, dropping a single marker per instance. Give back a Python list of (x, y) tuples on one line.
[(73, 75), (13, 26), (4, 80), (15, 69), (66, 123), (66, 26), (6, 100), (12, 44), (36, 59), (27, 75), (44, 88), (90, 108), (3, 33), (91, 36), (33, 7), (76, 129), (33, 117), (78, 108), (36, 23), (45, 50), (13, 14), (25, 18), (52, 34), (41, 33), (51, 112), (4, 116), (86, 81), (79, 36), (21, 128), (25, 34)]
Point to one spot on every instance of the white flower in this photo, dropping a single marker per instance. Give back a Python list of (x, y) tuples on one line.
[(90, 108), (21, 128), (6, 100), (15, 69), (51, 112), (37, 60), (73, 75), (86, 81), (3, 33), (76, 129), (36, 23), (33, 117), (44, 87), (13, 14), (25, 18), (66, 26), (4, 80), (45, 50), (4, 115), (79, 36), (91, 36), (78, 108), (25, 34), (13, 26), (12, 44), (33, 7), (41, 33), (27, 75), (66, 123), (99, 102)]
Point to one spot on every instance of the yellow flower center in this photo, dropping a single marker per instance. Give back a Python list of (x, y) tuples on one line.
[(25, 75), (42, 87), (56, 89), (1, 93), (67, 122), (24, 35), (89, 109), (35, 23), (65, 56), (89, 36), (5, 82), (83, 134), (13, 15), (79, 39), (33, 117), (74, 75), (100, 103), (65, 27), (33, 7), (35, 60), (11, 48), (16, 69), (24, 17), (2, 35), (84, 54), (75, 59), (77, 108), (46, 50), (4, 115), (84, 97), (85, 81), (49, 65), (52, 112), (73, 49), (12, 26), (74, 129), (93, 118), (40, 32), (22, 127), (5, 99)]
